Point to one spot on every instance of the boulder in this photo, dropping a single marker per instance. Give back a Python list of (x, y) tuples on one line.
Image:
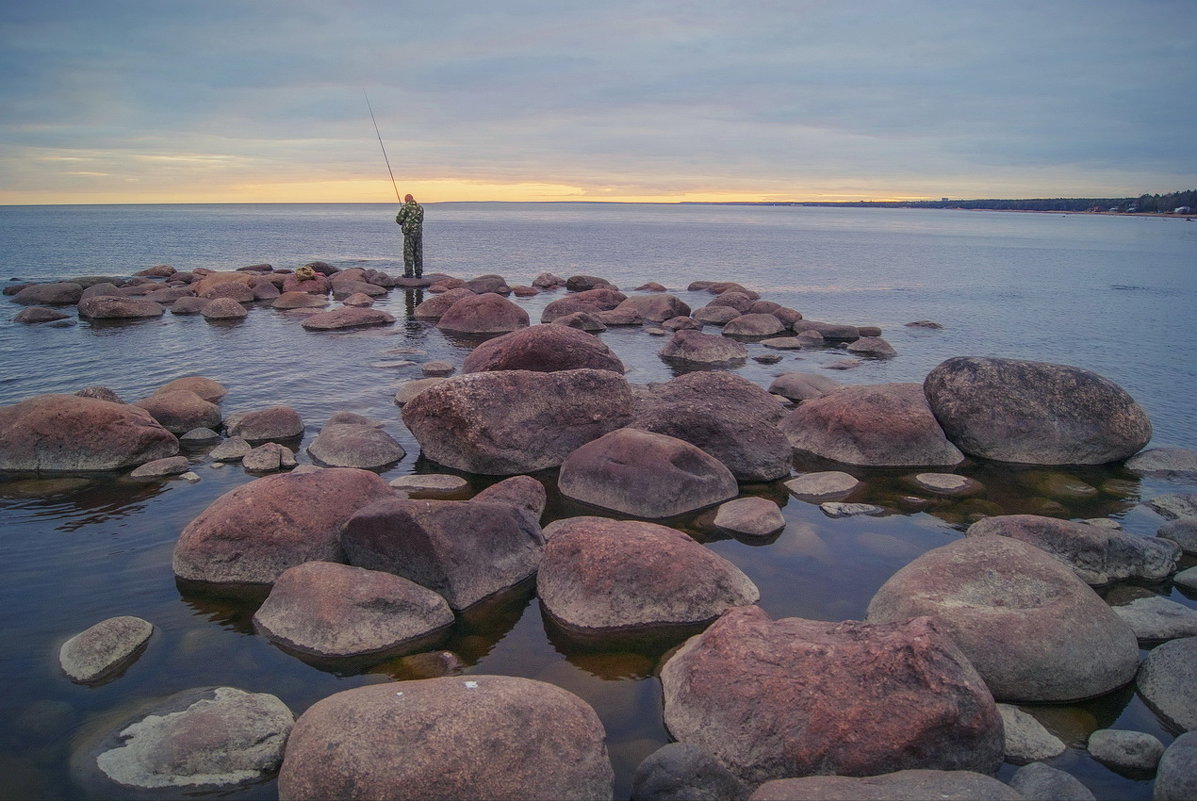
[(358, 299), (104, 649), (483, 314), (347, 317), (101, 289), (268, 458), (463, 550), (1173, 506), (1097, 554), (684, 772), (681, 323), (181, 410), (782, 343), (1176, 775), (733, 299), (498, 738), (645, 474), (947, 484), (592, 301), (410, 389), (834, 332), (651, 286), (39, 314), (715, 315), (232, 449), (1032, 628), (276, 422), (266, 290), (437, 368), (206, 388), (1164, 462), (507, 422), (355, 445), (299, 300), (201, 739), (582, 283), (57, 294), (99, 393), (750, 517), (1182, 531), (1124, 750), (110, 308), (548, 281), (334, 611), (159, 468), (727, 416), (232, 290), (708, 350), (254, 532), (837, 509), (823, 485), (606, 576), (317, 285), (902, 785), (871, 346), (435, 307), (803, 386), (1034, 413), (223, 309), (432, 485), (1039, 780), (619, 316), (1157, 618), (1026, 739), (790, 697), (877, 425), (344, 288), (655, 308), (488, 283), (543, 348), (189, 305), (753, 325), (581, 320), (212, 279), (523, 492), (69, 433), (168, 295)]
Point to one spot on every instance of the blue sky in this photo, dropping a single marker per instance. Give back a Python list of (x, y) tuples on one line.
[(165, 101)]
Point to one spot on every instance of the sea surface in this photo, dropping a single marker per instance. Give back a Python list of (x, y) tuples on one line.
[(1111, 294)]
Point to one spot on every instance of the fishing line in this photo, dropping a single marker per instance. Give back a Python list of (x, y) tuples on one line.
[(384, 148)]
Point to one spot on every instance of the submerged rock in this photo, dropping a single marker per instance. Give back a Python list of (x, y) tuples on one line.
[(803, 386), (1034, 412), (684, 772), (104, 649), (887, 698), (1039, 780), (347, 317), (823, 485), (112, 308), (1157, 618), (1166, 462), (903, 785), (750, 517), (506, 738)]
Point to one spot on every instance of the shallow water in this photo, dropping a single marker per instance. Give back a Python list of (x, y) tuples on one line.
[(1111, 294)]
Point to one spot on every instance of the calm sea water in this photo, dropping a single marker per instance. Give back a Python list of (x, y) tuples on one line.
[(1112, 294)]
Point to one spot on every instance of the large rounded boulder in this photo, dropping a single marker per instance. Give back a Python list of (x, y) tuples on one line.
[(181, 410), (877, 425), (1034, 412), (692, 347), (725, 415), (506, 422), (793, 697), (355, 445), (600, 575), (645, 474), (483, 314), (459, 737), (251, 534), (104, 307), (68, 433), (545, 349), (1032, 628), (462, 550), (1097, 554), (657, 308)]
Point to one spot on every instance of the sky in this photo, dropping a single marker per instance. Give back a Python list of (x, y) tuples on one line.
[(224, 101)]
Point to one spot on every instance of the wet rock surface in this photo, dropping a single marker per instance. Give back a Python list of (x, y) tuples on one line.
[(102, 650)]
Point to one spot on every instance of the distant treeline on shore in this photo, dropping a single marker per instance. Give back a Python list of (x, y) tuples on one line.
[(1174, 202)]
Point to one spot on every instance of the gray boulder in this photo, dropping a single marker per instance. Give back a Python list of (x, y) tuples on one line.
[(346, 317), (1165, 462), (903, 785), (1157, 618), (753, 326), (886, 698), (1125, 750), (276, 422), (803, 386), (833, 332), (620, 576), (715, 315), (750, 517), (872, 346), (1182, 531), (1176, 775), (1175, 505), (725, 415), (69, 433), (822, 486), (333, 610), (355, 445), (1026, 738), (199, 739), (655, 308), (463, 550), (645, 474), (208, 389), (689, 346), (1041, 781), (685, 772), (410, 389), (1032, 628), (505, 738), (104, 649), (232, 449), (507, 422), (170, 466), (1099, 555), (254, 532), (268, 458), (1034, 413), (879, 425), (523, 492)]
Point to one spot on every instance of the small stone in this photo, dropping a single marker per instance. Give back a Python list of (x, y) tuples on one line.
[(392, 364), (1182, 531), (199, 436), (872, 346), (411, 389), (268, 458), (1158, 618), (431, 484), (1176, 505), (192, 477), (947, 484), (1186, 578), (104, 649), (170, 466), (1026, 738), (1038, 780), (1164, 462), (767, 358), (823, 485), (437, 369), (924, 324), (783, 343), (752, 517), (655, 331), (1133, 751), (232, 449), (838, 509)]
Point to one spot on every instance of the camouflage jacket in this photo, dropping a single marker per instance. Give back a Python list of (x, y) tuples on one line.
[(410, 217)]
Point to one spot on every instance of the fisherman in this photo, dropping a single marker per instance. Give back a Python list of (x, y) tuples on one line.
[(411, 222)]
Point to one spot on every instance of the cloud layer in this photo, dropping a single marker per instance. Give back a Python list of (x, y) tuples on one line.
[(146, 101)]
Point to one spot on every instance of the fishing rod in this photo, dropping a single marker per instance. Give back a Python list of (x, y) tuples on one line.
[(384, 148)]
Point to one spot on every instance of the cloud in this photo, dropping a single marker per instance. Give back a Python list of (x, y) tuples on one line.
[(620, 99)]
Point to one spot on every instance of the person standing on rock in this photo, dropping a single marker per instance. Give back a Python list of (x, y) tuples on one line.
[(411, 222)]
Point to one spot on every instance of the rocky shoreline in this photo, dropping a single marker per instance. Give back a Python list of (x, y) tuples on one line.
[(911, 702)]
